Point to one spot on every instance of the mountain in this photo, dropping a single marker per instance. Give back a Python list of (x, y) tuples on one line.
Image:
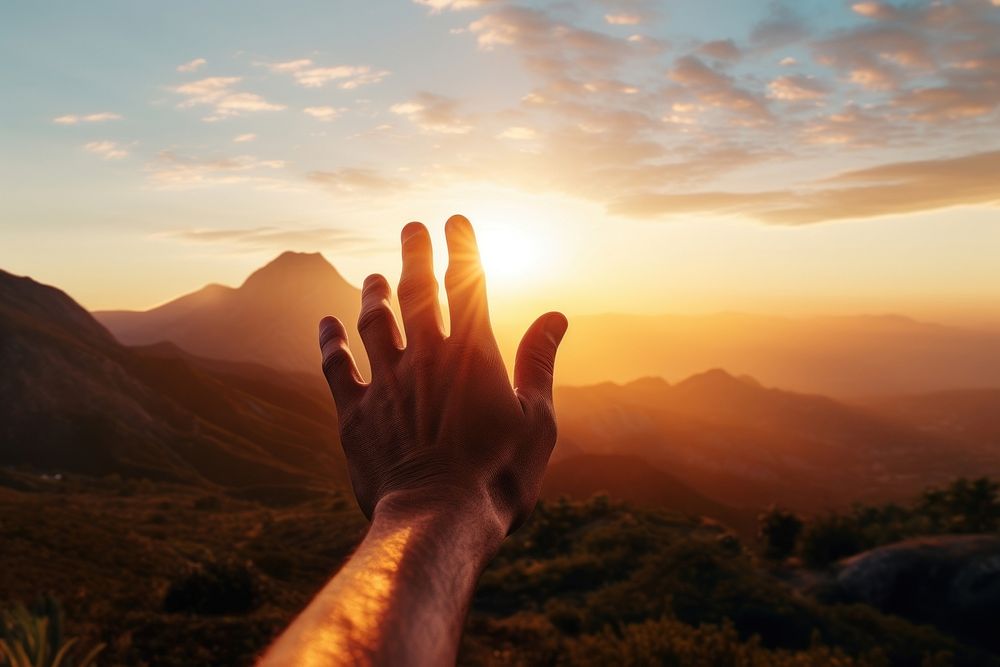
[(745, 445), (971, 414), (636, 481), (73, 399), (270, 319), (844, 357)]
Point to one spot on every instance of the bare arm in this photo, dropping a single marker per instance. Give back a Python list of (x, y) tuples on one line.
[(445, 456)]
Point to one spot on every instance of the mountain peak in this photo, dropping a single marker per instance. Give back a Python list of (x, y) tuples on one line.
[(296, 267), (714, 380)]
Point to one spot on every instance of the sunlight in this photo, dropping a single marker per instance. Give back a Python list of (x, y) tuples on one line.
[(510, 256)]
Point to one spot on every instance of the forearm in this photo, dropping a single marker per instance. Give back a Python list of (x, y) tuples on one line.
[(402, 598)]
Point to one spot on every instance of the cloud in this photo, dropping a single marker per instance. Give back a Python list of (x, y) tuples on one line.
[(354, 179), (434, 113), (192, 65), (623, 19), (218, 93), (549, 47), (324, 113), (244, 138), (173, 172), (721, 49), (890, 189), (715, 89), (266, 237), (108, 150), (347, 77), (518, 133), (72, 119), (797, 88), (442, 5), (781, 27)]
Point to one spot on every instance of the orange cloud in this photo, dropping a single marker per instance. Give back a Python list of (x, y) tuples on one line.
[(891, 189)]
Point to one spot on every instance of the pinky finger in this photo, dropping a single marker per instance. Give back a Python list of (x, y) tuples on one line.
[(338, 363)]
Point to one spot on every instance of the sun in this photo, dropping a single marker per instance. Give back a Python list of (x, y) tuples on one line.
[(510, 255)]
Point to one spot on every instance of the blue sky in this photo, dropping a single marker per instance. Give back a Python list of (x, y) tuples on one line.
[(809, 156)]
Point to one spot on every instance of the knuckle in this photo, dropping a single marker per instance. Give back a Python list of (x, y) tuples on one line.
[(336, 361), (375, 284), (417, 288), (376, 316)]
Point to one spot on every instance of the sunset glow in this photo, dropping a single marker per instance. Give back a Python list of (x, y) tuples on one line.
[(813, 157)]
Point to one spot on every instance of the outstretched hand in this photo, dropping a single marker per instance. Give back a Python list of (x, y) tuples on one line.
[(446, 458), (439, 425)]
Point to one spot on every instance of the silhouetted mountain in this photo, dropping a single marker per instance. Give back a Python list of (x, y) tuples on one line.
[(635, 480), (746, 445), (843, 357), (271, 319), (73, 399)]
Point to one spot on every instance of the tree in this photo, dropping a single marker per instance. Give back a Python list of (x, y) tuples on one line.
[(779, 530)]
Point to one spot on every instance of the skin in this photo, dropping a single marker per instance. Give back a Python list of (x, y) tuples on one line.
[(445, 456)]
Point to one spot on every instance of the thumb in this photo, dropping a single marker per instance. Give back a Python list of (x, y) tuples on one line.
[(536, 355)]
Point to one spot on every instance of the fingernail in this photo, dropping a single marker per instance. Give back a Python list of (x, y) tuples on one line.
[(411, 230), (556, 326)]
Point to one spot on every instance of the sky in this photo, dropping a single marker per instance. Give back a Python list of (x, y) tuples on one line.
[(686, 156)]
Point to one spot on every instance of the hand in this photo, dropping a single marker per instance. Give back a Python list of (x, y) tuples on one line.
[(440, 425)]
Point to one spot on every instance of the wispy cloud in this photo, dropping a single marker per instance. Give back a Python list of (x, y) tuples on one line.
[(73, 119), (890, 189), (324, 113), (797, 88), (434, 113), (244, 138), (442, 5), (310, 75), (623, 19), (108, 150), (192, 65), (271, 237), (354, 179), (175, 172), (219, 93)]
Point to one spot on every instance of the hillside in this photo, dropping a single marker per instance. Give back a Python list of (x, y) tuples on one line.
[(73, 399), (971, 414), (745, 445), (636, 481), (270, 319)]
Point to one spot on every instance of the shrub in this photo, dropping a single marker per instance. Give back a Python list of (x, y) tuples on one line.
[(779, 530), (33, 638), (216, 588)]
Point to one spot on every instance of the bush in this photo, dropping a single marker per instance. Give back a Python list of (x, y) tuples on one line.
[(779, 531), (829, 538), (215, 589)]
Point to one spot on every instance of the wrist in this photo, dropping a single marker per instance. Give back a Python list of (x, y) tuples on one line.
[(452, 516)]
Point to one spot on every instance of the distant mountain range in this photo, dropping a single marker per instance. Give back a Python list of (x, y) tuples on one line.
[(745, 445), (270, 319), (73, 398), (844, 357)]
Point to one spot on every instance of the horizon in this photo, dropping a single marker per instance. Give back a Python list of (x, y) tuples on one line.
[(708, 314), (621, 156)]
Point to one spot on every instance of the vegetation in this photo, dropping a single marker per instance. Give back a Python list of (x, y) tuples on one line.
[(779, 532), (33, 638), (964, 506), (163, 577)]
